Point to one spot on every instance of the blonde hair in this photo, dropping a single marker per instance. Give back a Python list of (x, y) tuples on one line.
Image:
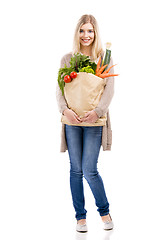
[(96, 45)]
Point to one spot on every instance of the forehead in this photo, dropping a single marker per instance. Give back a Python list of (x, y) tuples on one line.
[(87, 26)]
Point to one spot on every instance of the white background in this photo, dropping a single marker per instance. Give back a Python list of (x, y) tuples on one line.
[(35, 200)]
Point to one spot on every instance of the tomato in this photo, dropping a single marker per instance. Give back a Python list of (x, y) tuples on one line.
[(73, 74), (67, 78)]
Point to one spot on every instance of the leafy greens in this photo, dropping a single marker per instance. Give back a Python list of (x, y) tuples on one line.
[(77, 62)]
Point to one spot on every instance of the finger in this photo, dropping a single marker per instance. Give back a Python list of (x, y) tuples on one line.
[(86, 119), (77, 117), (87, 114), (76, 121)]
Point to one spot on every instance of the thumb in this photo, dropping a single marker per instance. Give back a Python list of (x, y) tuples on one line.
[(87, 114), (76, 116)]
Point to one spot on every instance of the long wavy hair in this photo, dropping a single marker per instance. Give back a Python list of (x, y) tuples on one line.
[(96, 45)]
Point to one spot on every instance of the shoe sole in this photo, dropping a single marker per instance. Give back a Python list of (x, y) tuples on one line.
[(108, 229)]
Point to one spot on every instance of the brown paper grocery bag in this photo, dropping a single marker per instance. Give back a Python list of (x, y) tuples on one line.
[(83, 94)]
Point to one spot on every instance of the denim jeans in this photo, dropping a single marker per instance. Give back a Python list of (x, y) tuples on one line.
[(83, 146)]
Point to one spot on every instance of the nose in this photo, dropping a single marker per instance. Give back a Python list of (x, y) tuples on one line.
[(85, 33)]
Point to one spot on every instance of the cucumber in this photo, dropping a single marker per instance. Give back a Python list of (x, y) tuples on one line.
[(107, 58)]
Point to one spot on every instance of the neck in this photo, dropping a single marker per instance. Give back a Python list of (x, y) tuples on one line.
[(86, 50)]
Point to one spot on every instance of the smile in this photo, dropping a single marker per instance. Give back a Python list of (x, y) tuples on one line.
[(86, 40)]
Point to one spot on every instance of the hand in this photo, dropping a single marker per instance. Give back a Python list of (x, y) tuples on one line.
[(72, 116), (90, 117)]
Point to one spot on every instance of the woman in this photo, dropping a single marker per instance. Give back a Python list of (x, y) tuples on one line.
[(84, 142)]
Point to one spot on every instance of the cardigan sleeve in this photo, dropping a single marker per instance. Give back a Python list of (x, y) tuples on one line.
[(62, 104), (107, 95)]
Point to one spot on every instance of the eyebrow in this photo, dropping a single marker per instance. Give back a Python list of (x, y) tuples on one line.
[(87, 29)]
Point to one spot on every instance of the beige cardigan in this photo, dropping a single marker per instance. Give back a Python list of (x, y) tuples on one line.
[(101, 109)]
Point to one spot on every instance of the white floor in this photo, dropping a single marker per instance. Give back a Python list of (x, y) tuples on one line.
[(36, 201)]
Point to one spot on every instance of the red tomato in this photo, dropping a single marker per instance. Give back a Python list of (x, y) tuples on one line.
[(73, 74), (67, 78)]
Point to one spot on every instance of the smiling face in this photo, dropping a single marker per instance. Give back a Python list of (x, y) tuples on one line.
[(86, 35)]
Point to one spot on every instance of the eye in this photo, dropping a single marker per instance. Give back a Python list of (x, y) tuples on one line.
[(81, 30), (90, 31)]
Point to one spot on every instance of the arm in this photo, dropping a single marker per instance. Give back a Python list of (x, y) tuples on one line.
[(104, 102), (62, 104), (107, 95)]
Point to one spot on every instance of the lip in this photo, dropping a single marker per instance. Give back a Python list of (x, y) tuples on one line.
[(86, 40)]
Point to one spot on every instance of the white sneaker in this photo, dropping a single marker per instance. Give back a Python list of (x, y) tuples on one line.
[(108, 225), (81, 228)]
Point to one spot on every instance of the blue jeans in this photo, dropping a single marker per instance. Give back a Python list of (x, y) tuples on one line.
[(83, 146)]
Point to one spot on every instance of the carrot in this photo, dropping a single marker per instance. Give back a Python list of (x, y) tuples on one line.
[(101, 69), (107, 75), (98, 65), (106, 71)]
